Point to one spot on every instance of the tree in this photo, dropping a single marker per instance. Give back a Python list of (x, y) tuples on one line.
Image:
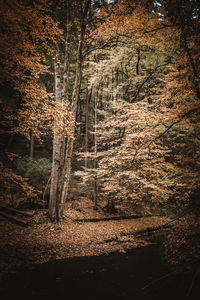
[(28, 107), (57, 200), (127, 73), (128, 144), (62, 98)]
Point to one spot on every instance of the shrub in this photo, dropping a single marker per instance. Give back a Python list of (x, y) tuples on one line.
[(36, 170)]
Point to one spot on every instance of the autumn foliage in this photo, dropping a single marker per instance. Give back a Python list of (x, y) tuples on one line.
[(118, 82), (27, 106), (99, 107)]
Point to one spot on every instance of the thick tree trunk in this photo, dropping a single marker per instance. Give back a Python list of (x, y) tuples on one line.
[(59, 139), (65, 97), (70, 141), (60, 184), (56, 149)]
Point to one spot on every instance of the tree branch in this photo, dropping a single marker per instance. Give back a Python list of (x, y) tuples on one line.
[(178, 121), (147, 144), (146, 79), (160, 28), (138, 61)]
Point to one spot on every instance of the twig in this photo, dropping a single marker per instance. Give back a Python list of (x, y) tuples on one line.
[(156, 280), (192, 283), (67, 217)]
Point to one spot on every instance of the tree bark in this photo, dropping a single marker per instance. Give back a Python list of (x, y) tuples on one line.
[(59, 139), (95, 152), (56, 148), (32, 145), (65, 98), (88, 95), (60, 181), (75, 96), (110, 207), (67, 55)]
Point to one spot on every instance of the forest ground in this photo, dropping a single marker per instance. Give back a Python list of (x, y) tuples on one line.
[(41, 241), (84, 251)]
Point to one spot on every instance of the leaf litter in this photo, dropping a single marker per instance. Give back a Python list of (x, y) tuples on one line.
[(42, 241)]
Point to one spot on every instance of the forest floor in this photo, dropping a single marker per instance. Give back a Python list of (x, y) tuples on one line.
[(80, 250), (84, 232)]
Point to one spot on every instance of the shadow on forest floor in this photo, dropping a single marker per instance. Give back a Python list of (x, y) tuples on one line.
[(92, 260), (138, 274)]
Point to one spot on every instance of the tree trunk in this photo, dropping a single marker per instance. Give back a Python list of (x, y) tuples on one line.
[(70, 141), (95, 152), (112, 85), (117, 82), (65, 97), (88, 95), (110, 207), (53, 201), (59, 139), (66, 62), (32, 145), (60, 184)]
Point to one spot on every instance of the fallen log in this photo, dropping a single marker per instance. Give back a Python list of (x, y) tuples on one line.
[(156, 228), (13, 219), (2, 219), (16, 211), (115, 218), (110, 218), (152, 229)]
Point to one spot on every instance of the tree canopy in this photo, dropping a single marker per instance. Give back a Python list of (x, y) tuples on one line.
[(111, 89)]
